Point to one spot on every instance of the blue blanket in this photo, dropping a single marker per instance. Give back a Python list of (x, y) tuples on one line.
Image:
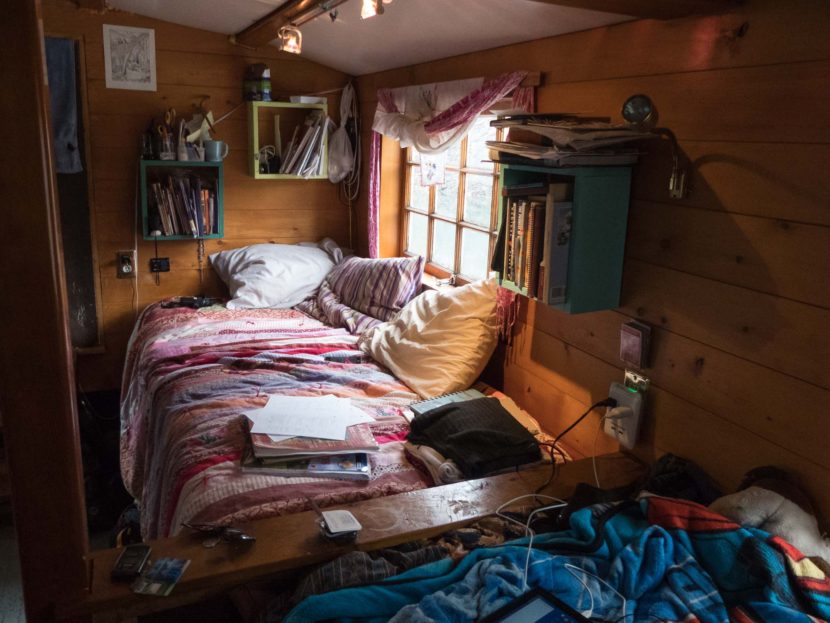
[(656, 559)]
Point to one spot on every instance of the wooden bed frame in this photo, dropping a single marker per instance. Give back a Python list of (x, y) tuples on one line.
[(289, 543)]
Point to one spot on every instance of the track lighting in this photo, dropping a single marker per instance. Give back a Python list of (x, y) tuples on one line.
[(371, 8), (290, 39)]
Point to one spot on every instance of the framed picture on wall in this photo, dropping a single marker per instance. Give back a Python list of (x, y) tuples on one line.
[(130, 58)]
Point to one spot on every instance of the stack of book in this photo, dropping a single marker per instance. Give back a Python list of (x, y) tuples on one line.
[(538, 219), (185, 206), (316, 436), (568, 140), (304, 153), (310, 457)]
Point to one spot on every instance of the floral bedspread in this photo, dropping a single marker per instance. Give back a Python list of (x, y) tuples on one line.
[(188, 377)]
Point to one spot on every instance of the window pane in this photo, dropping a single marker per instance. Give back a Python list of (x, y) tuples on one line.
[(416, 235), (443, 244), (475, 247), (476, 148), (446, 196), (478, 199), (454, 156), (414, 155), (418, 195)]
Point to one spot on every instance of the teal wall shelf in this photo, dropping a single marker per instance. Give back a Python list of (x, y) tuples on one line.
[(159, 170), (599, 220)]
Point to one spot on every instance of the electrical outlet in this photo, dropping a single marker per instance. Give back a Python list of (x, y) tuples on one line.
[(160, 265), (125, 264), (625, 429)]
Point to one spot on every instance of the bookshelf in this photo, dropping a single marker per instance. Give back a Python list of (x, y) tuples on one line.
[(583, 243), (210, 176), (266, 119)]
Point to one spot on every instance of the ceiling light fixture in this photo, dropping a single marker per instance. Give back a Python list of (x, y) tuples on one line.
[(290, 39), (370, 8)]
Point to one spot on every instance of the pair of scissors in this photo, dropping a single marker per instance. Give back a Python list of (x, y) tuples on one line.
[(170, 117)]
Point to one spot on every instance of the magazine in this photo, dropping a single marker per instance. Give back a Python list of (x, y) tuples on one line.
[(353, 466), (359, 438)]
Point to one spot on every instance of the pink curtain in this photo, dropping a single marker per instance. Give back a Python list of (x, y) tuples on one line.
[(468, 108), (374, 194)]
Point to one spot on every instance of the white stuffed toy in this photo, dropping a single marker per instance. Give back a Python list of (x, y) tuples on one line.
[(770, 511)]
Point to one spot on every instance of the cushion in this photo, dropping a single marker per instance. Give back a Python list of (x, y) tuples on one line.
[(326, 307), (377, 287), (441, 341), (271, 275)]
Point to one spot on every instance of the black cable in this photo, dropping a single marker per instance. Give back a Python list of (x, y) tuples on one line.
[(607, 402)]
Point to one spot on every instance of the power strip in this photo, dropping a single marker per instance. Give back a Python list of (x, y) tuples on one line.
[(625, 429)]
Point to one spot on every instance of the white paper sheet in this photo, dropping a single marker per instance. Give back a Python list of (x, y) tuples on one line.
[(324, 417)]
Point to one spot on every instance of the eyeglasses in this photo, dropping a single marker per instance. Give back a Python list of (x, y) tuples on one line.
[(213, 534)]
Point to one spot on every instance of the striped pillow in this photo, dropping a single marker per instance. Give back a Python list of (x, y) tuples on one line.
[(377, 287)]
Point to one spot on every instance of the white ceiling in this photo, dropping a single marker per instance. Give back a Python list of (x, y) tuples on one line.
[(409, 31)]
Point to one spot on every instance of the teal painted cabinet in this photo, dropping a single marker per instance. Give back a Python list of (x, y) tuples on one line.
[(582, 228)]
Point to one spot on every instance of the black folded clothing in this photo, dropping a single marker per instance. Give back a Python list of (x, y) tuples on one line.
[(479, 435)]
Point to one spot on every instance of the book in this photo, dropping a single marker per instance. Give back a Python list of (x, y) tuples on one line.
[(359, 438), (422, 406), (354, 466), (537, 236), (558, 259), (161, 577), (519, 251)]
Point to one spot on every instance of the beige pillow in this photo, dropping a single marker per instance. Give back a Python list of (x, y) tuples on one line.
[(440, 341)]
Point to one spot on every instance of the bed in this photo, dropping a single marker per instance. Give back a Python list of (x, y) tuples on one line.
[(190, 374)]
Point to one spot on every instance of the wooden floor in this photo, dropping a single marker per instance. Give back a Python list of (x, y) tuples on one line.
[(293, 542)]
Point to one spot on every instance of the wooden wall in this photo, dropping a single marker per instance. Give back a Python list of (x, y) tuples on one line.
[(190, 64), (735, 278)]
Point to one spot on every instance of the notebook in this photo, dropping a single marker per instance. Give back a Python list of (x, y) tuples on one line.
[(421, 407)]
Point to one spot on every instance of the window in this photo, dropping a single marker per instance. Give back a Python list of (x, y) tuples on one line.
[(454, 225)]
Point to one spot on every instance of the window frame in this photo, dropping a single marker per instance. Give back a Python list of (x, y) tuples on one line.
[(458, 222)]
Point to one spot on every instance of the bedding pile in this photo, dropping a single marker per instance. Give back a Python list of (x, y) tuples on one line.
[(659, 559), (188, 377)]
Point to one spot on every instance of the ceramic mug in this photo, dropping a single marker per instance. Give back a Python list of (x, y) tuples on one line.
[(215, 151)]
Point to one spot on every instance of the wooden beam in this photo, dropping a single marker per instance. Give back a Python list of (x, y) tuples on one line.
[(37, 397), (265, 28), (650, 9), (292, 542)]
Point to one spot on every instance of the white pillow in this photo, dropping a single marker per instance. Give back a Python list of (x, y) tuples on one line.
[(271, 275), (440, 341)]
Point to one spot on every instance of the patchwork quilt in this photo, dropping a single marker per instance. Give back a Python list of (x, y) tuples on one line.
[(188, 377)]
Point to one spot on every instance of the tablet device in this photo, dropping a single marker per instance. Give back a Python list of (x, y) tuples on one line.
[(536, 606)]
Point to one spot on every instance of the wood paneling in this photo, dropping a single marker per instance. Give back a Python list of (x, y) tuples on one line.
[(191, 64), (37, 396), (734, 276)]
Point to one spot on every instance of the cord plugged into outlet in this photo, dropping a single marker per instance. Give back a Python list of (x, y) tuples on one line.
[(623, 421)]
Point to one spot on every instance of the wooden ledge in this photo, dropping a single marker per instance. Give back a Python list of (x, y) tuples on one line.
[(291, 542)]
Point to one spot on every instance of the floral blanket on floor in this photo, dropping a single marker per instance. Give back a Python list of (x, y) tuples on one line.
[(188, 377), (657, 559)]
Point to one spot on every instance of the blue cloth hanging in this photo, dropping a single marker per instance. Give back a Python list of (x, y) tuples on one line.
[(63, 103)]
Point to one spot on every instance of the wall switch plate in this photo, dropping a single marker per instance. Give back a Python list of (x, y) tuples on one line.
[(125, 264), (635, 341), (626, 429)]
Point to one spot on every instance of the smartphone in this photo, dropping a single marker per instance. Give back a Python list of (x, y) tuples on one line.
[(130, 563)]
